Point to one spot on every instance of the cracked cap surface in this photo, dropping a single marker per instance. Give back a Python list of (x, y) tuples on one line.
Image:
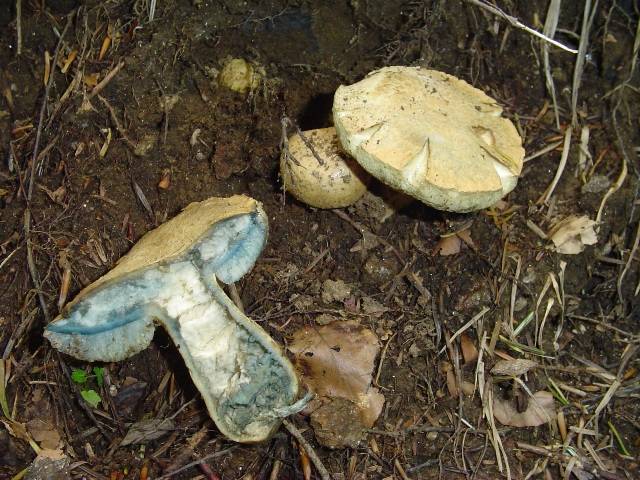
[(431, 135)]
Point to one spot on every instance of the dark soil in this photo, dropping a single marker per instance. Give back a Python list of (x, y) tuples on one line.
[(86, 214)]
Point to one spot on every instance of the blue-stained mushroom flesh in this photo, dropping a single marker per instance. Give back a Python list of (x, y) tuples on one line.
[(244, 378)]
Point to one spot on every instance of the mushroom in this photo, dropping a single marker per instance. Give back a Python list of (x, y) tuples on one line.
[(239, 75), (324, 177), (170, 277), (431, 135)]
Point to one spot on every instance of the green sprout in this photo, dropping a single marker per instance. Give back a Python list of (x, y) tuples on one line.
[(81, 378)]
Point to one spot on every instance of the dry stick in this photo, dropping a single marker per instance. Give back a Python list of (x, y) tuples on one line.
[(516, 23), (612, 189), (304, 139), (324, 474), (400, 470), (627, 265), (587, 21), (563, 162), (550, 26), (382, 355), (27, 212), (98, 88), (363, 230), (197, 462), (542, 151), (19, 27), (77, 79), (116, 122)]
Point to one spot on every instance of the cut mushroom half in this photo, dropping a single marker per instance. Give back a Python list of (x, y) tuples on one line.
[(431, 135), (170, 277)]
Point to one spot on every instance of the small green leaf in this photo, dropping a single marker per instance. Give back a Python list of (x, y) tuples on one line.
[(79, 376), (99, 373), (91, 397)]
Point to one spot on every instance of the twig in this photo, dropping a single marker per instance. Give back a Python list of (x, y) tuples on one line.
[(612, 189), (364, 231), (382, 355), (462, 329), (19, 27), (411, 430), (235, 296), (542, 151), (563, 162), (516, 23), (324, 474), (587, 20), (603, 325), (550, 26), (117, 124), (305, 140), (98, 88), (196, 462), (34, 159), (627, 265), (401, 471)]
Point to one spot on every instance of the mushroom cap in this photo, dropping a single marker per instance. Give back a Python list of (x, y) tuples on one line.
[(339, 182), (173, 238), (239, 75), (170, 277), (431, 135)]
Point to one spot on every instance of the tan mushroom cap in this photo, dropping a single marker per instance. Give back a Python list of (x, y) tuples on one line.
[(430, 135), (338, 182)]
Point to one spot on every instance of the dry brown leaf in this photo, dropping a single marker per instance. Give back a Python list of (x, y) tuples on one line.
[(17, 430), (448, 245), (165, 180), (469, 350), (337, 361), (147, 430), (513, 368), (452, 385), (91, 79), (570, 235), (44, 433), (465, 236), (541, 409)]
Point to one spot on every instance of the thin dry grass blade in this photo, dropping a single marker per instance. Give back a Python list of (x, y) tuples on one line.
[(544, 198), (550, 26), (587, 21), (4, 405)]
